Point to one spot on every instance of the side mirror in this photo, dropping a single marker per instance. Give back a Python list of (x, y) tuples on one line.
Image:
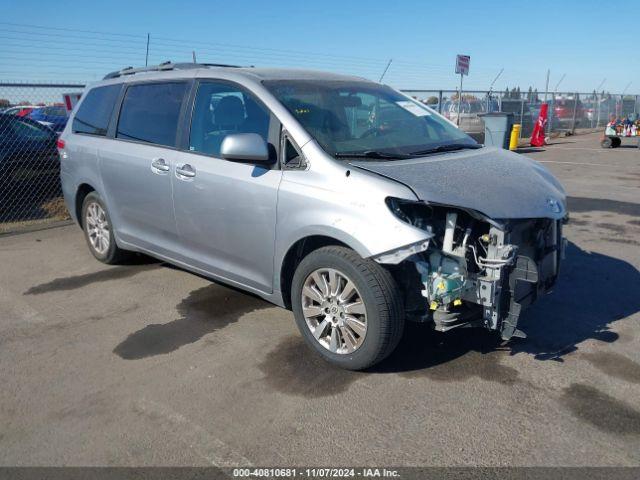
[(246, 148)]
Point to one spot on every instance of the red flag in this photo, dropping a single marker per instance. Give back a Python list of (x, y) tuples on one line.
[(537, 137)]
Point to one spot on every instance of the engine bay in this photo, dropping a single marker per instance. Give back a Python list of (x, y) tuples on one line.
[(474, 271)]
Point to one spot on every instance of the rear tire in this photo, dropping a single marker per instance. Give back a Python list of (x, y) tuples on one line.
[(368, 319), (98, 231), (616, 142)]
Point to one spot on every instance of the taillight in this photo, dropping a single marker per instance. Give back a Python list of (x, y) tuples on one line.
[(60, 144)]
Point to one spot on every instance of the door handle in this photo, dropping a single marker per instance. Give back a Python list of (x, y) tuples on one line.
[(159, 166), (185, 170)]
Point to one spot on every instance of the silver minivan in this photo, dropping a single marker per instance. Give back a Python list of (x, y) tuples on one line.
[(341, 199)]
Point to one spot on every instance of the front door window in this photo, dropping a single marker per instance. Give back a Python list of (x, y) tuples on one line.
[(221, 109)]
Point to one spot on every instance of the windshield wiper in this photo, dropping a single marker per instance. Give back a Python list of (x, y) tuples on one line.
[(372, 154), (447, 148)]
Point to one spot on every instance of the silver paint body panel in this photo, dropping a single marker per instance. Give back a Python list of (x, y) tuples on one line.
[(235, 221)]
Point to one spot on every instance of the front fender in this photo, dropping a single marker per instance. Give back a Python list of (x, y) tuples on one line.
[(325, 201)]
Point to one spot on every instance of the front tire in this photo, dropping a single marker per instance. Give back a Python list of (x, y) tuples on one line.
[(348, 309), (98, 231)]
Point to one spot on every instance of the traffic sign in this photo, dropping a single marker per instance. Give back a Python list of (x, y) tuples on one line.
[(462, 64)]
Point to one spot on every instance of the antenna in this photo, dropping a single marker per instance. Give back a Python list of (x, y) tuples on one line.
[(385, 70)]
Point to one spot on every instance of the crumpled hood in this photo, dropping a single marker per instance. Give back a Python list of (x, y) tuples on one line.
[(495, 182)]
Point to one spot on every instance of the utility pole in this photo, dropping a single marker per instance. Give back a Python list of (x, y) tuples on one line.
[(146, 59), (385, 70)]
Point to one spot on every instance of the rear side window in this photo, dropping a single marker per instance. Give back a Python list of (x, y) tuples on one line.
[(95, 111), (150, 113)]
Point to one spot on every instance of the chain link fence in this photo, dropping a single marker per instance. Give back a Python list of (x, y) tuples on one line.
[(34, 115), (569, 112)]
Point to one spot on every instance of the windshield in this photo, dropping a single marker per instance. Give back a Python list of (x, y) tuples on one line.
[(351, 117)]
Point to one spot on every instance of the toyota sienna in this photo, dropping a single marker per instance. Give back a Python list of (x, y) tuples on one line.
[(344, 200)]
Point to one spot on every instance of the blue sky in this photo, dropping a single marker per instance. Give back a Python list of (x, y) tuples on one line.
[(578, 38)]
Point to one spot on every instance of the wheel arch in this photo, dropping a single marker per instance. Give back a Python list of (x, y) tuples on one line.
[(298, 251), (82, 191)]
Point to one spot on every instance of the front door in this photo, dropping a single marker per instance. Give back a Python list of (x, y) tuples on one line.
[(226, 211)]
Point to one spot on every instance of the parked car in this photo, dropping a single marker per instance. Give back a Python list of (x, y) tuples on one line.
[(54, 117), (19, 110), (355, 227), (564, 108), (27, 152), (470, 122)]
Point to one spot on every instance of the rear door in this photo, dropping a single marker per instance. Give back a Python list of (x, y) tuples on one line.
[(226, 211), (136, 166)]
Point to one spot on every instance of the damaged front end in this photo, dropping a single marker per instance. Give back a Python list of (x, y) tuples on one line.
[(472, 270)]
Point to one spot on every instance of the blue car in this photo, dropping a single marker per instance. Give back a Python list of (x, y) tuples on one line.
[(28, 157), (54, 117)]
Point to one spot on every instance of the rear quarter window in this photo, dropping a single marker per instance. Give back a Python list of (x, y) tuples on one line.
[(95, 111)]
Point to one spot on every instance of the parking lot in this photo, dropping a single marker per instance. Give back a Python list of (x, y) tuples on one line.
[(150, 365)]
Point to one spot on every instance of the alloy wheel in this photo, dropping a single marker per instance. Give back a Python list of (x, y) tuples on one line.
[(334, 311), (97, 227)]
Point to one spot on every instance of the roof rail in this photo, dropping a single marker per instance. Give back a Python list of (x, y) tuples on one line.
[(163, 67)]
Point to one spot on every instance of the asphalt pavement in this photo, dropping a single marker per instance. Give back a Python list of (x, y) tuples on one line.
[(149, 365)]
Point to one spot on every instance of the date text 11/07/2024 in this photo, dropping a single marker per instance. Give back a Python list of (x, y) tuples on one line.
[(315, 473)]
